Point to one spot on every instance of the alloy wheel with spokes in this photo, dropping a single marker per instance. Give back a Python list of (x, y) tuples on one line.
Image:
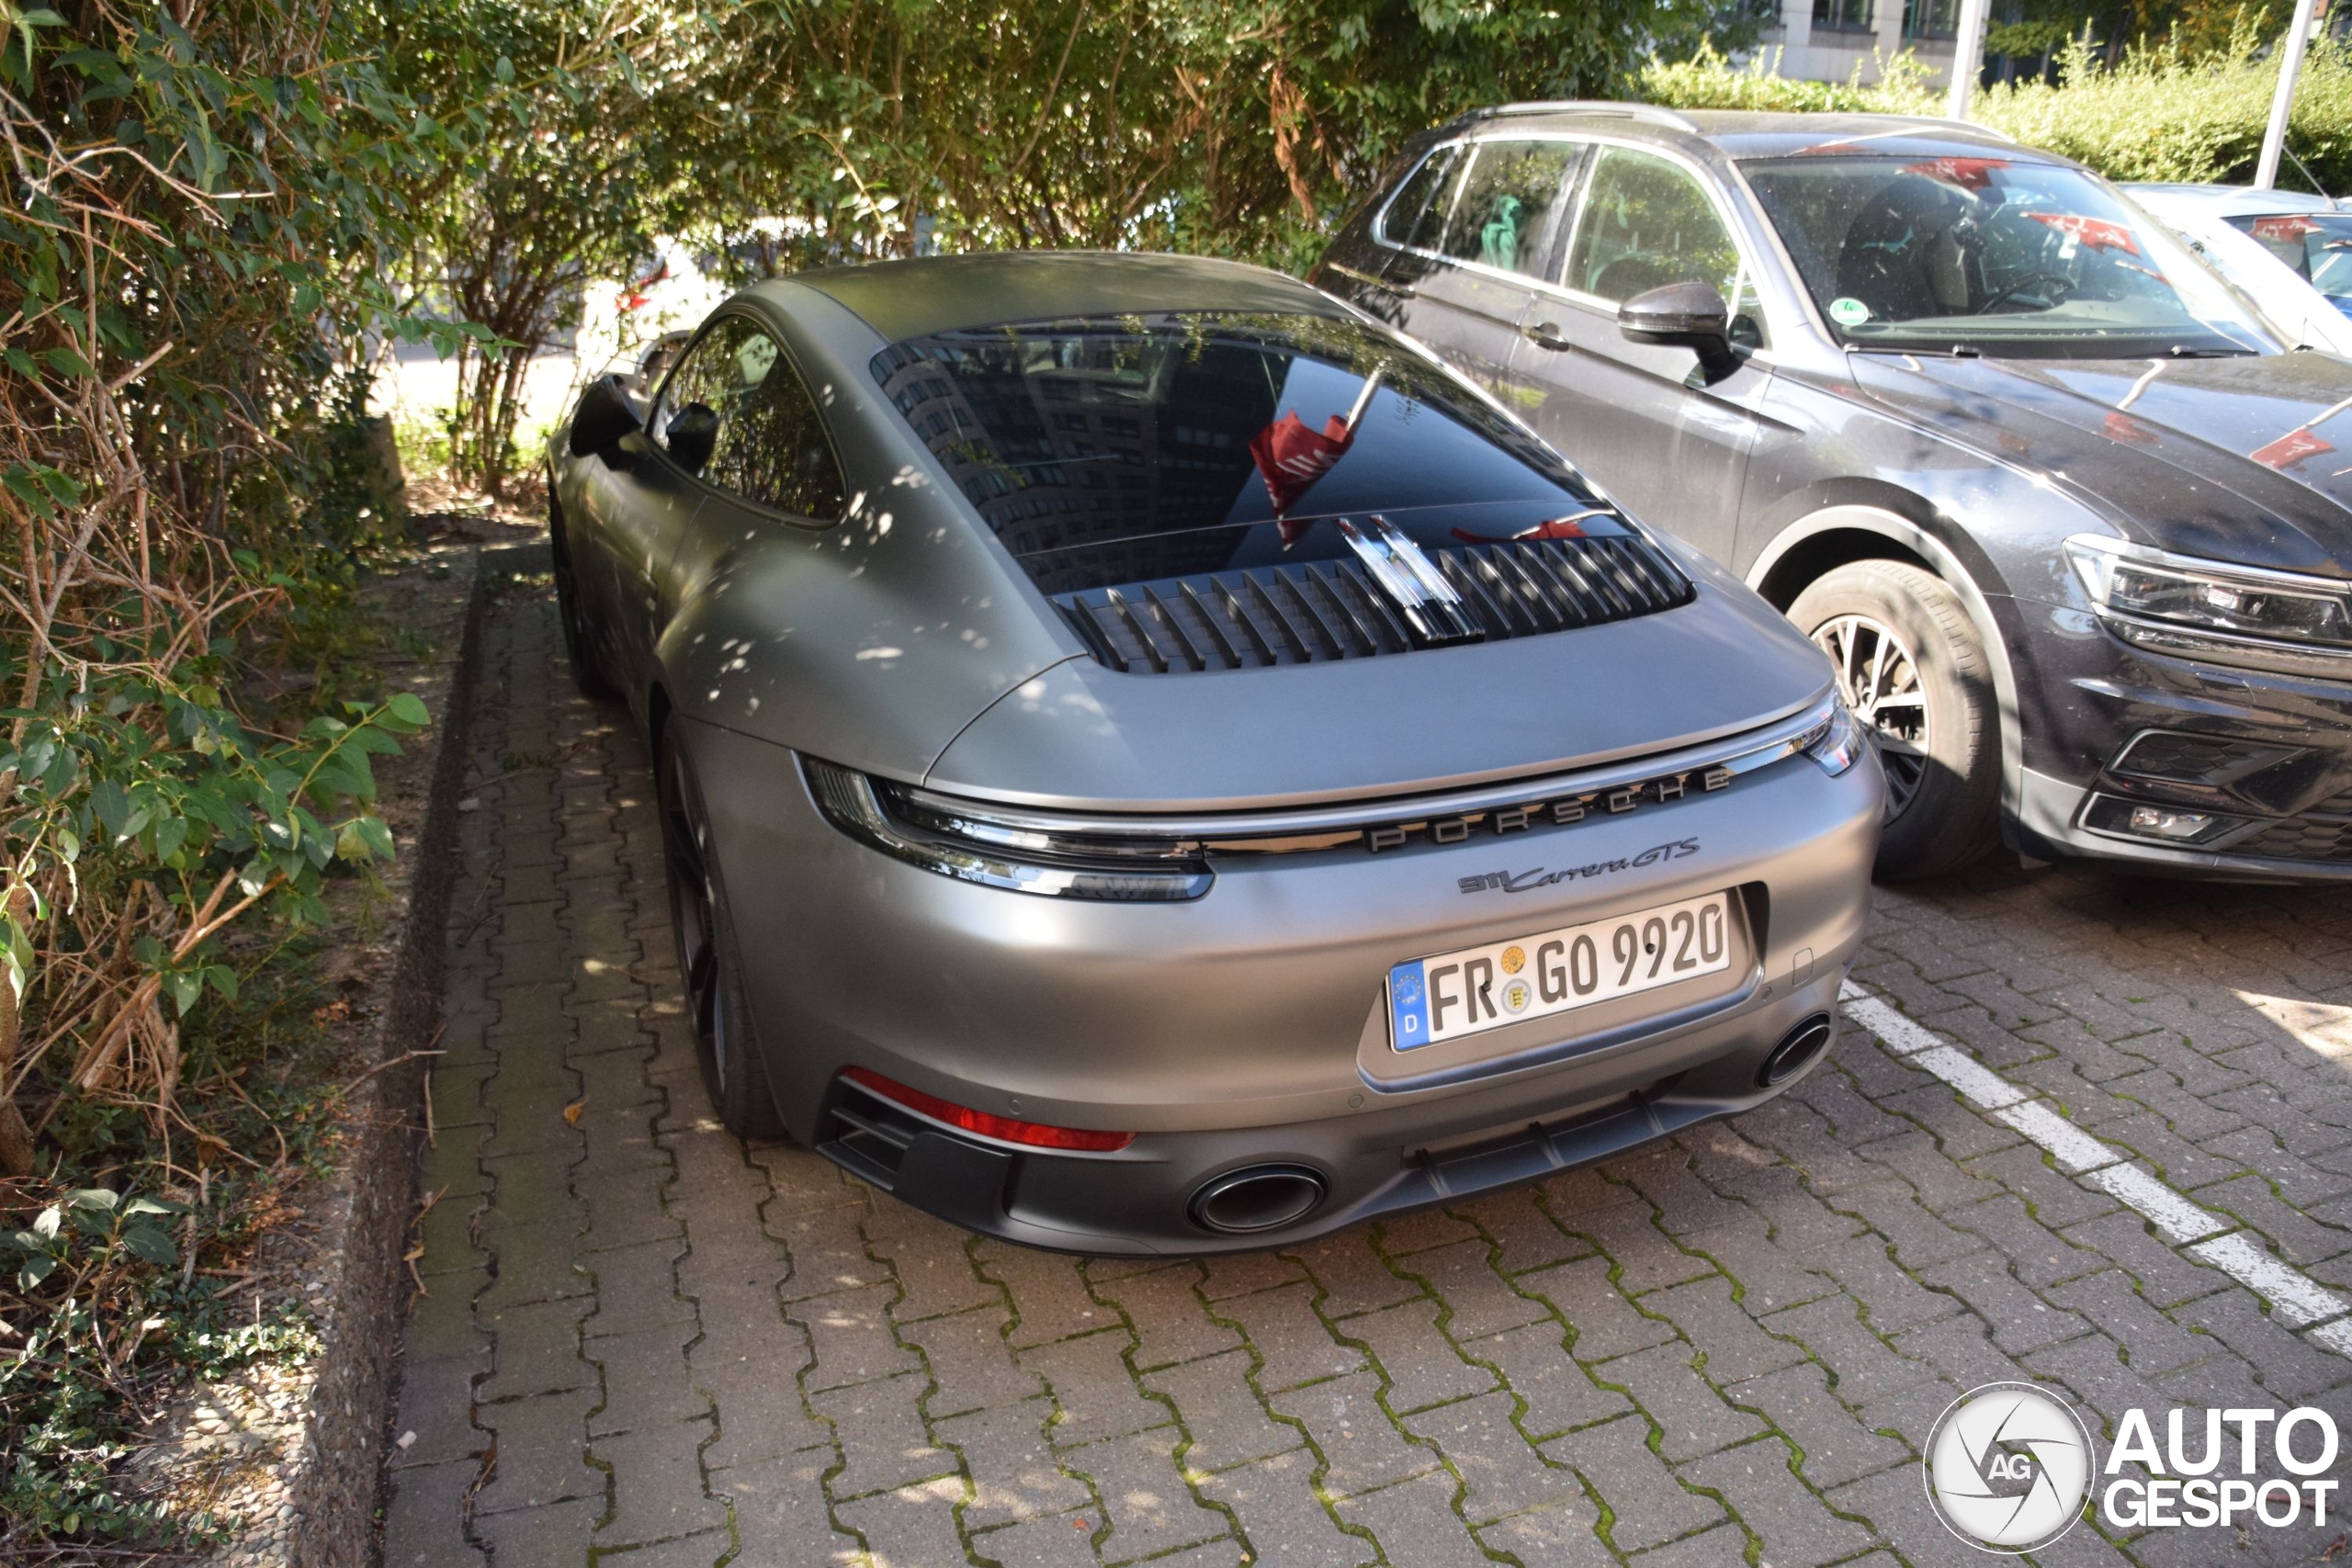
[(1910, 661), (1879, 678)]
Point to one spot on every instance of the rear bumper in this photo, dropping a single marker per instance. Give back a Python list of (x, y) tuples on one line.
[(1142, 1200), (1248, 1026)]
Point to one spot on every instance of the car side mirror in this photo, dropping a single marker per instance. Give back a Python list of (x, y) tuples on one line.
[(1685, 315), (692, 436), (604, 417)]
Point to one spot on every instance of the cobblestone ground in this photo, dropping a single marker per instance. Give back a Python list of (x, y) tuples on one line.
[(643, 1343)]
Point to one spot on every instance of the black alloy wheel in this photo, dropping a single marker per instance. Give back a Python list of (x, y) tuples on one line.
[(578, 643), (733, 1072), (1910, 664)]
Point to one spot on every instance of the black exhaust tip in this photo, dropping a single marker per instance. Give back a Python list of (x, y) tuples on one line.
[(1260, 1197), (1796, 1052)]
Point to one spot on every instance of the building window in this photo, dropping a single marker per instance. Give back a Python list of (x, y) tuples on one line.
[(1845, 16), (1931, 18)]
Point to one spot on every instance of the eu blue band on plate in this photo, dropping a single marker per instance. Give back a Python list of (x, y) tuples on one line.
[(1408, 1006)]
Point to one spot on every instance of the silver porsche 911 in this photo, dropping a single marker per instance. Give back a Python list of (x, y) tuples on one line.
[(1153, 762)]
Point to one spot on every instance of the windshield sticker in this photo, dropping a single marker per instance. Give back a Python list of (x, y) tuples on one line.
[(1968, 173), (2097, 233), (2291, 226), (1848, 312)]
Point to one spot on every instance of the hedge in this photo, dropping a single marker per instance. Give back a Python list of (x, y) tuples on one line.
[(2157, 114)]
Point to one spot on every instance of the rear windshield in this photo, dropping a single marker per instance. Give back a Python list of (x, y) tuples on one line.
[(1117, 449)]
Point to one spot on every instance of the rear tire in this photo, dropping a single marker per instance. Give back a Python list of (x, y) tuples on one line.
[(578, 643), (1912, 666), (734, 1074)]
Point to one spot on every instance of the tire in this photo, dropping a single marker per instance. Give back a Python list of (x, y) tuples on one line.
[(579, 645), (1914, 670), (734, 1074)]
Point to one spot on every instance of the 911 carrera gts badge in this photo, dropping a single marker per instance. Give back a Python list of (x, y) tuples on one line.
[(1527, 881)]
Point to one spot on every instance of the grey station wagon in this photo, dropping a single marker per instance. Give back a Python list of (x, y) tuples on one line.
[(1153, 760), (2070, 523)]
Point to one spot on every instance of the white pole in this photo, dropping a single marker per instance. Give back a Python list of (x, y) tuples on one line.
[(1967, 54), (2291, 65)]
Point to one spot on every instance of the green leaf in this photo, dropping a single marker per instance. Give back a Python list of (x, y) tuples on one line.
[(364, 837), (409, 708), (45, 1224), (186, 988), (112, 805), (33, 1272), (223, 979), (151, 1244), (92, 1198)]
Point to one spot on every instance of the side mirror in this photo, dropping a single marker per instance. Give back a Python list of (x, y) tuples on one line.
[(1685, 315), (692, 436), (603, 418)]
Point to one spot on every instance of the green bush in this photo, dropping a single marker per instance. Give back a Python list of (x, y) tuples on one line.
[(2158, 114)]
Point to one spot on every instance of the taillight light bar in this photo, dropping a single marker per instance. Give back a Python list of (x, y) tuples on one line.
[(1006, 1129)]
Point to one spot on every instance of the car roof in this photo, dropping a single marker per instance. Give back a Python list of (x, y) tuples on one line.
[(1757, 134), (916, 297), (2236, 199)]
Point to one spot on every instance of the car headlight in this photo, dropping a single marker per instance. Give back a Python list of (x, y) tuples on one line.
[(1837, 741), (962, 841), (2217, 611)]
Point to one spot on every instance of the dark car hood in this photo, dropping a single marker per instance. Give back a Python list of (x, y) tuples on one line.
[(2244, 459), (1082, 735)]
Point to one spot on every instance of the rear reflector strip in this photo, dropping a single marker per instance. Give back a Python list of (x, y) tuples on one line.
[(1005, 1129)]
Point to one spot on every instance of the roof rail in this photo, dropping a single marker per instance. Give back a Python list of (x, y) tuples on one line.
[(1957, 125), (1653, 113)]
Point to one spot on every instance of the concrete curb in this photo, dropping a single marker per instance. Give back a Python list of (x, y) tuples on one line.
[(293, 1456), (333, 1486)]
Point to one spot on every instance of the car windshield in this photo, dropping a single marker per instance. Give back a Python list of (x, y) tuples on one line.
[(1109, 450), (2318, 245), (1993, 255)]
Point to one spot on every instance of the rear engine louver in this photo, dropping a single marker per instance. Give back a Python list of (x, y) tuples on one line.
[(1314, 612)]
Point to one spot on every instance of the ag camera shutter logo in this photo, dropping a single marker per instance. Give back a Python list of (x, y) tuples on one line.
[(2008, 1466)]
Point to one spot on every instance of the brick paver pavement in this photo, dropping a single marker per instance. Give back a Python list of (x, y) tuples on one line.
[(644, 1344)]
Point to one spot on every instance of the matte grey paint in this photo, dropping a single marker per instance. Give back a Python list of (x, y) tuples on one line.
[(1232, 1029)]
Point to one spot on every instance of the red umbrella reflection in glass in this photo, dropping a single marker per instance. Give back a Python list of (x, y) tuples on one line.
[(1291, 457)]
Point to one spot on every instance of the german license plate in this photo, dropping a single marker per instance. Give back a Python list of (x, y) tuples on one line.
[(1431, 1001)]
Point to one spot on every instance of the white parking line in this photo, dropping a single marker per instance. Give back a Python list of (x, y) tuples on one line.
[(2294, 1296)]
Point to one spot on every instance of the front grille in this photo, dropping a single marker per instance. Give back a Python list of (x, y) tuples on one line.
[(1316, 611), (2196, 759), (2300, 837)]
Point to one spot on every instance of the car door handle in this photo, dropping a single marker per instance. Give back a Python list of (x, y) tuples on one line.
[(1545, 334)]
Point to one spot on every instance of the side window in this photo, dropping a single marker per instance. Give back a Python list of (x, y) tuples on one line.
[(699, 395), (736, 413), (1747, 329), (1417, 214), (1646, 223), (1503, 216)]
